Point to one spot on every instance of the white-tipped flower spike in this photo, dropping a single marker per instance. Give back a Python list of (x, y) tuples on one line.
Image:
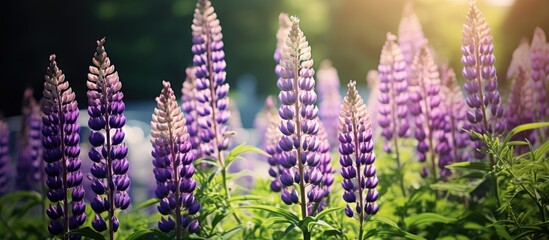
[(455, 113), (410, 35), (284, 25), (539, 57), (481, 85), (356, 146), (189, 105), (173, 166), (329, 99)]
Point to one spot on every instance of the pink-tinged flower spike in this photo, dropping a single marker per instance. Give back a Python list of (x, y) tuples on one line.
[(393, 98), (29, 163), (271, 138), (372, 80), (299, 124), (110, 179), (211, 88), (410, 35), (329, 99), (430, 130), (173, 166), (356, 147), (189, 104), (60, 140), (481, 85), (4, 157), (539, 58), (521, 103), (455, 113)]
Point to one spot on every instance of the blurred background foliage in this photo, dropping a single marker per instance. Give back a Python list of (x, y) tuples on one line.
[(149, 41)]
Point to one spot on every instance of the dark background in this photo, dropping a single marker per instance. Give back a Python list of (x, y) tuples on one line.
[(149, 41)]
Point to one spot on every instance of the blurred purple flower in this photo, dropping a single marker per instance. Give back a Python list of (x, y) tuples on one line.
[(539, 58), (29, 162), (271, 138), (485, 110), (189, 105), (173, 165), (4, 157), (372, 80), (428, 113), (298, 124), (284, 25), (211, 88), (60, 140), (106, 109), (329, 99), (455, 114), (356, 147), (410, 35), (393, 97)]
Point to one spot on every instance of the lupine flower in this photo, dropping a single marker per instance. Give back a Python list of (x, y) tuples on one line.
[(410, 35), (299, 125), (271, 138), (29, 163), (455, 111), (325, 166), (539, 57), (356, 147), (521, 104), (393, 97), (60, 141), (173, 165), (4, 157), (106, 109), (211, 89), (372, 79), (189, 105), (430, 130), (485, 110), (330, 99), (284, 25), (262, 123)]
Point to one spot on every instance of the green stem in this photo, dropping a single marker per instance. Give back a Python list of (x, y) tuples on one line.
[(361, 230)]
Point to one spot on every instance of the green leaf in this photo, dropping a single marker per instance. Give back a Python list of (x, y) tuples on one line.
[(327, 211), (393, 231), (274, 220), (427, 218), (141, 235), (239, 150), (245, 198), (218, 217), (483, 166), (277, 211), (161, 235), (229, 233), (542, 150), (15, 197), (88, 232), (288, 230), (304, 224), (457, 187), (524, 127), (145, 204), (322, 224)]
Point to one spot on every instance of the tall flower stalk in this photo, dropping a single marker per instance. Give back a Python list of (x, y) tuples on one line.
[(189, 105), (211, 88), (173, 166), (410, 35), (299, 124), (29, 163), (329, 99), (271, 138), (356, 147), (60, 140), (539, 57), (428, 114), (110, 180), (485, 110), (4, 157), (393, 99)]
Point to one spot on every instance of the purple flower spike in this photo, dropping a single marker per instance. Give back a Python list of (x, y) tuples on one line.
[(455, 111), (485, 110), (356, 143), (325, 168), (539, 57), (410, 35), (173, 165), (299, 122), (521, 102), (272, 136), (211, 88), (330, 99), (60, 141), (106, 110), (393, 97), (30, 164), (4, 157), (430, 123), (372, 79), (189, 104)]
